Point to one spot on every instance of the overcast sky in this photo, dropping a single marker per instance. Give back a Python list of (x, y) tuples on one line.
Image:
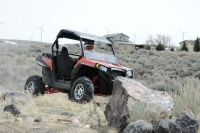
[(19, 19)]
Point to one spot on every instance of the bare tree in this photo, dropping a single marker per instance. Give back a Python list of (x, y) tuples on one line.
[(150, 40), (159, 38)]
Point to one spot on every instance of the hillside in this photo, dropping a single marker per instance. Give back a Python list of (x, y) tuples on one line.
[(176, 72), (21, 42)]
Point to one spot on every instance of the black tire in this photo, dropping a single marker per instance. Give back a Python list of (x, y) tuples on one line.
[(34, 86), (82, 90)]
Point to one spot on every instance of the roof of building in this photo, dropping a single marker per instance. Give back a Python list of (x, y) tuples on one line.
[(113, 35), (189, 41)]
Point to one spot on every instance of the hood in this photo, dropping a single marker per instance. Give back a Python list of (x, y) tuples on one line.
[(109, 65)]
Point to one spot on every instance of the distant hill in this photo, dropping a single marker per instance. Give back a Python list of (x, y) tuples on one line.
[(21, 42)]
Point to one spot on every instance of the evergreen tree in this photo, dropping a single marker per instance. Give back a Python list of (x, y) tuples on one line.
[(172, 49), (184, 47), (197, 45), (160, 47)]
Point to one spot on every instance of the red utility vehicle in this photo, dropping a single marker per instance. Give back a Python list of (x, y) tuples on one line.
[(80, 64)]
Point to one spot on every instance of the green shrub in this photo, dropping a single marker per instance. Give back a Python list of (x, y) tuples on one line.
[(197, 45), (147, 47), (160, 47), (171, 49), (184, 47)]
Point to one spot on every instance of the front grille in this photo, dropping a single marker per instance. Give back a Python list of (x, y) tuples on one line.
[(116, 73)]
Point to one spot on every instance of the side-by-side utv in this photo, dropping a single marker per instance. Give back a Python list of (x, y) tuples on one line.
[(80, 64)]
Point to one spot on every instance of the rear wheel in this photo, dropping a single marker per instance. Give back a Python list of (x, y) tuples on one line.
[(82, 90), (34, 86)]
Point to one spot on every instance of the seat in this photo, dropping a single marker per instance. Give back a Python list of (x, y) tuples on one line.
[(65, 64)]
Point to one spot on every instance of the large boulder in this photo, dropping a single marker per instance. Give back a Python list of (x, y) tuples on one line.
[(187, 122), (158, 104), (139, 126)]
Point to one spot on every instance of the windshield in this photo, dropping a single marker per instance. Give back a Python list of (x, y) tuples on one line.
[(99, 51), (92, 50)]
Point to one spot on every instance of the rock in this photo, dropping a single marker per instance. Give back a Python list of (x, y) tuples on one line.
[(158, 104), (12, 109), (69, 114), (38, 119), (184, 123), (13, 96), (161, 126), (76, 121), (18, 119), (87, 126), (187, 122), (166, 126), (139, 126)]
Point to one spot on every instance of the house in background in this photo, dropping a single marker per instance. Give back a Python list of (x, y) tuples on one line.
[(189, 43), (120, 40)]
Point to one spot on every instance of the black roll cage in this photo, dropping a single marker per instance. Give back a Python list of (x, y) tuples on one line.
[(75, 35)]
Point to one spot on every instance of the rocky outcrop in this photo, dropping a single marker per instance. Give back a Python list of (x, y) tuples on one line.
[(158, 104), (139, 126), (166, 126), (187, 121), (184, 123)]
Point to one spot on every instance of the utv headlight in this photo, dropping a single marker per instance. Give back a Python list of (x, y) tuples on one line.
[(129, 73), (101, 67)]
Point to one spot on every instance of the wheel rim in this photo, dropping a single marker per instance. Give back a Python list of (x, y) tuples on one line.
[(30, 88), (79, 91)]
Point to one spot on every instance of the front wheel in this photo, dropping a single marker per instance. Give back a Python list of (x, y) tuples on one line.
[(34, 86), (82, 90)]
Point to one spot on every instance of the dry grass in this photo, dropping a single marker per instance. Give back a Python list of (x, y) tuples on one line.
[(17, 64), (188, 98), (169, 71), (52, 107)]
